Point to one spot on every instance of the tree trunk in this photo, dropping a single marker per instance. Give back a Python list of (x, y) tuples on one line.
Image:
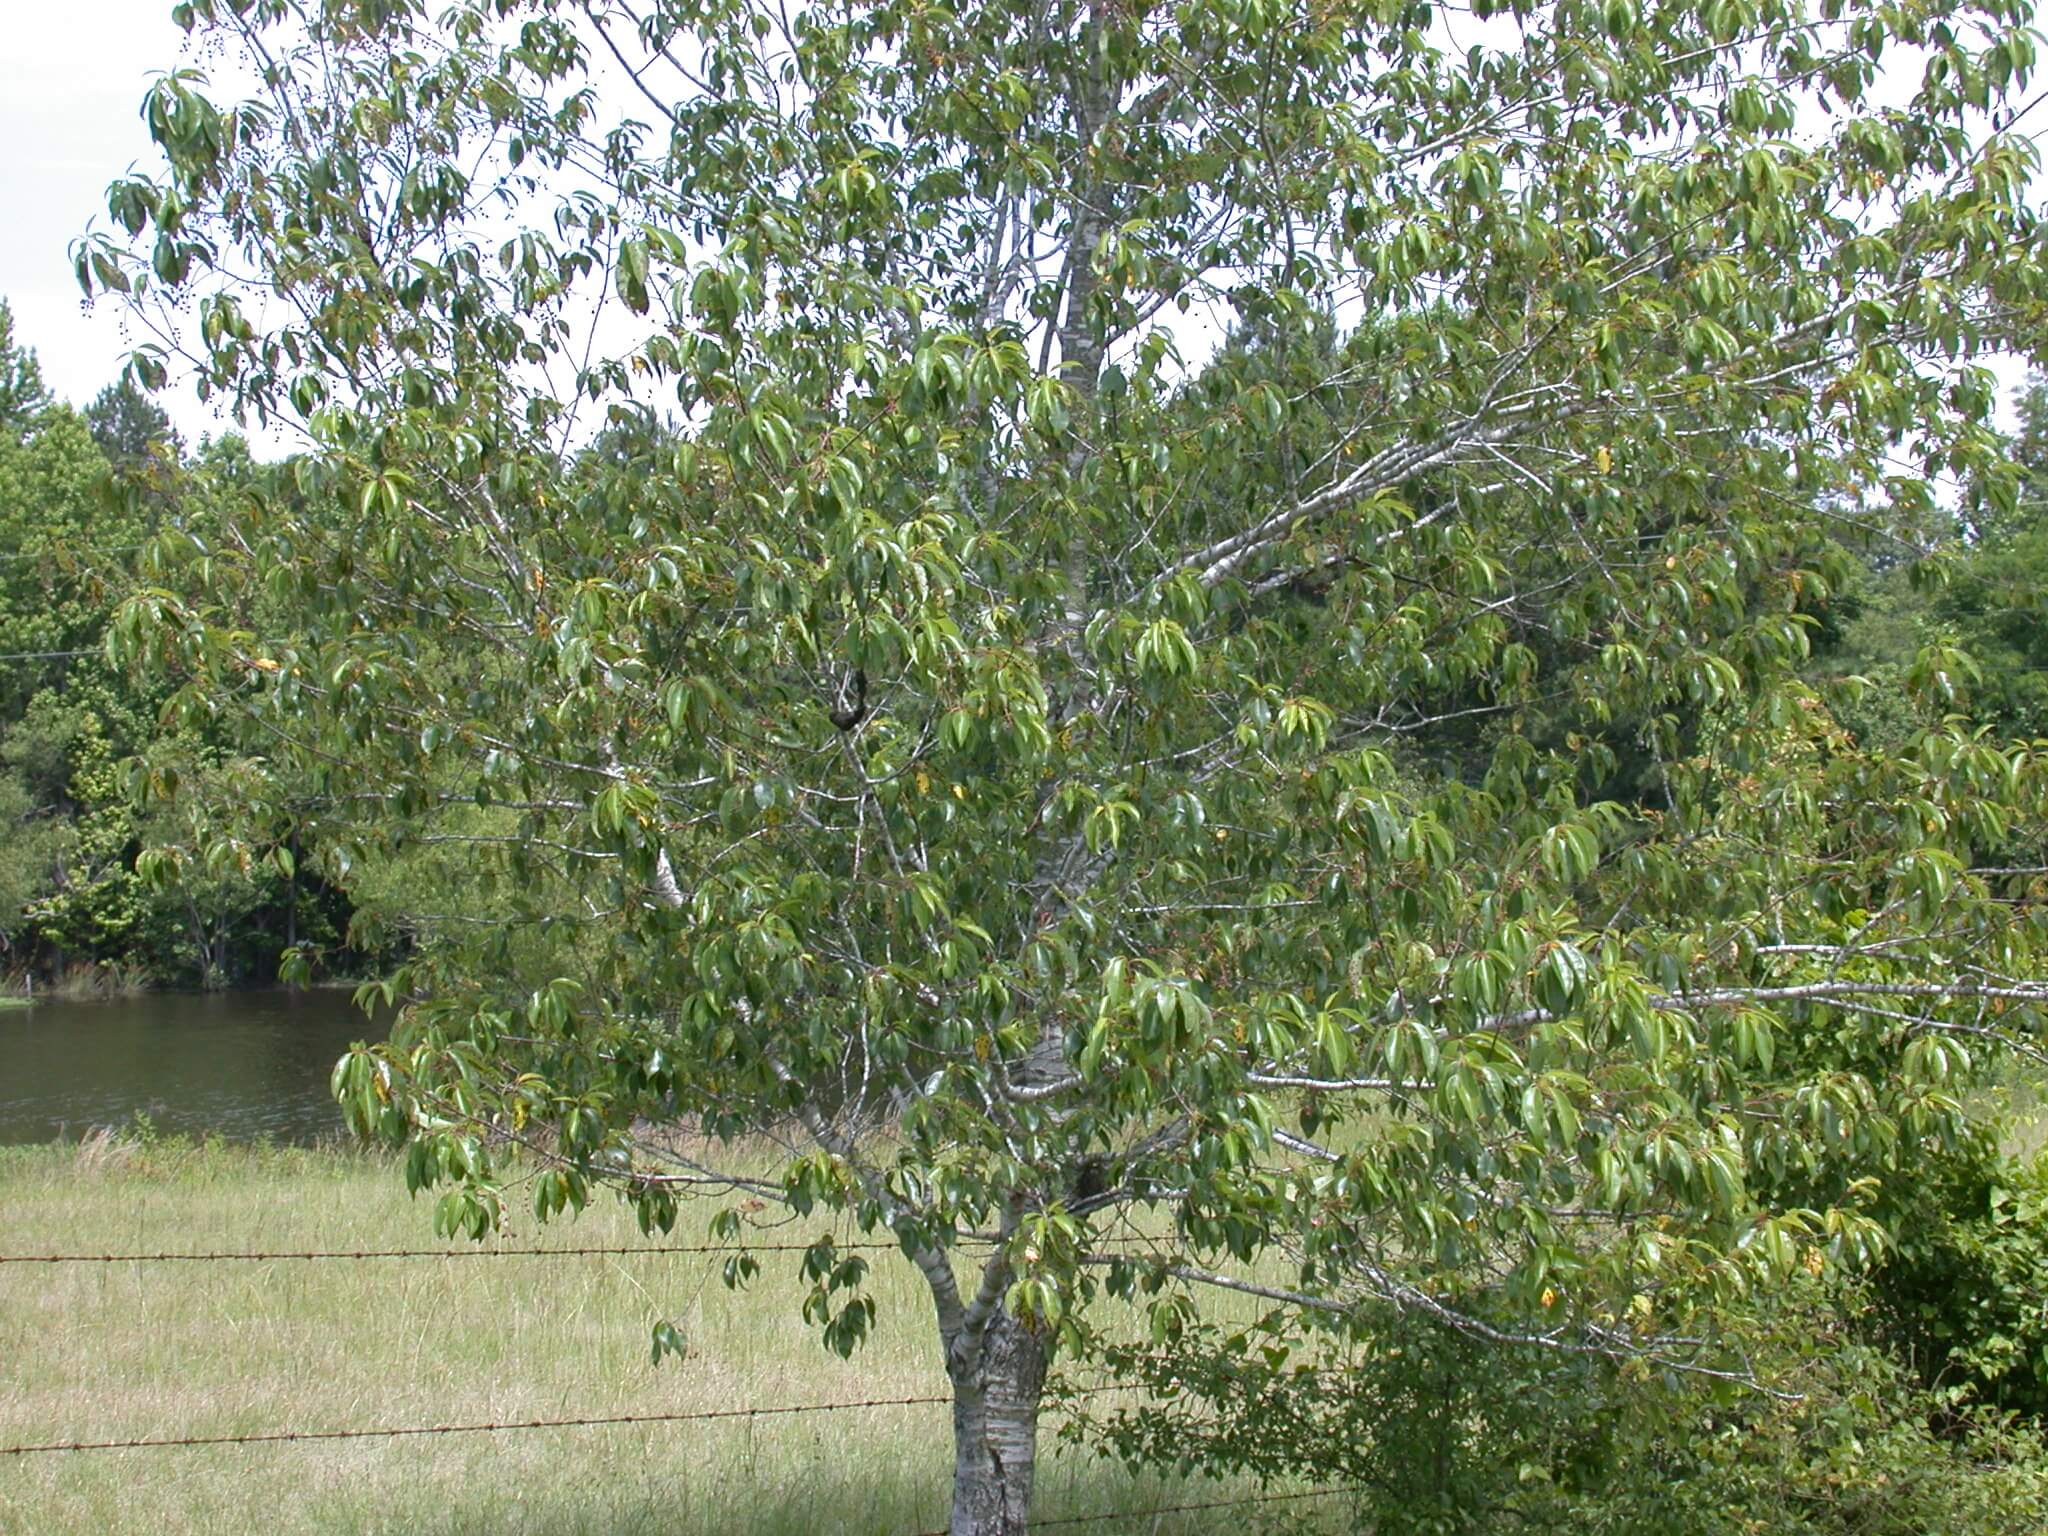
[(996, 1391)]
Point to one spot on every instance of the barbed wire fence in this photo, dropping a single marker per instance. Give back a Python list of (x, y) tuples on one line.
[(491, 1427), (273, 1437), (312, 1255), (316, 1255)]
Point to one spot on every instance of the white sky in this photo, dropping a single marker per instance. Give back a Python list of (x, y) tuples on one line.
[(72, 76)]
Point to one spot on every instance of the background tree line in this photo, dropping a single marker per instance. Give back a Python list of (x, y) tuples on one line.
[(82, 495)]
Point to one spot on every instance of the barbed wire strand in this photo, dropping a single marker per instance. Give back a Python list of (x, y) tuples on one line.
[(280, 1437), (610, 1251), (505, 1426), (593, 1421), (321, 1254)]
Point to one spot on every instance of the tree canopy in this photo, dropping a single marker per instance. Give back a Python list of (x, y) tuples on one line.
[(1344, 811), (22, 395), (79, 495)]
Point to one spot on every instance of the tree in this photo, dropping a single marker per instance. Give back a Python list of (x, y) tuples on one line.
[(63, 719), (71, 531), (29, 842), (1990, 603), (975, 754), (132, 430), (1976, 602), (22, 396), (64, 552), (1959, 1297)]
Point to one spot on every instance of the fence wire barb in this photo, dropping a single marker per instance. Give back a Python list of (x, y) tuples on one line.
[(594, 1421), (274, 1437), (625, 1250), (289, 1436)]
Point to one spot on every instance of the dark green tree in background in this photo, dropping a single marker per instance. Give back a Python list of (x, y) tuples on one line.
[(1992, 601), (22, 396), (79, 497)]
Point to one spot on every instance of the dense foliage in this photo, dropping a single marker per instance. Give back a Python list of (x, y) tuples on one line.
[(1444, 1434), (79, 498), (1960, 1298), (1349, 812)]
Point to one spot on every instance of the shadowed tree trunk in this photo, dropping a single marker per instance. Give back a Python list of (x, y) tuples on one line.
[(997, 1386), (996, 1362)]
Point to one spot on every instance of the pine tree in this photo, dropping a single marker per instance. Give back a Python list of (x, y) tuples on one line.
[(22, 395)]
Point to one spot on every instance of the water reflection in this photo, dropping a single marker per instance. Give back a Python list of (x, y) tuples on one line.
[(245, 1064)]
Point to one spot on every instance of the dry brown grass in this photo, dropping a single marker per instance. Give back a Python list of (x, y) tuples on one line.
[(114, 1351)]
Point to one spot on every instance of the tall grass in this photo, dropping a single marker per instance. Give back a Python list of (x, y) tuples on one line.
[(81, 981), (116, 1351)]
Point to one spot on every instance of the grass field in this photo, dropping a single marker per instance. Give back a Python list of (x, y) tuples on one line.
[(118, 1351)]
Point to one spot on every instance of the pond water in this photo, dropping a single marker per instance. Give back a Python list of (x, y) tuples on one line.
[(244, 1064)]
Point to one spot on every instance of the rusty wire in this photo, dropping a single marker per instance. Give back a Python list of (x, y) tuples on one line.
[(624, 1250), (289, 1436)]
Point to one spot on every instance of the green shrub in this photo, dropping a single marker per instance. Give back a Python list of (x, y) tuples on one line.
[(1963, 1299), (1452, 1436)]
